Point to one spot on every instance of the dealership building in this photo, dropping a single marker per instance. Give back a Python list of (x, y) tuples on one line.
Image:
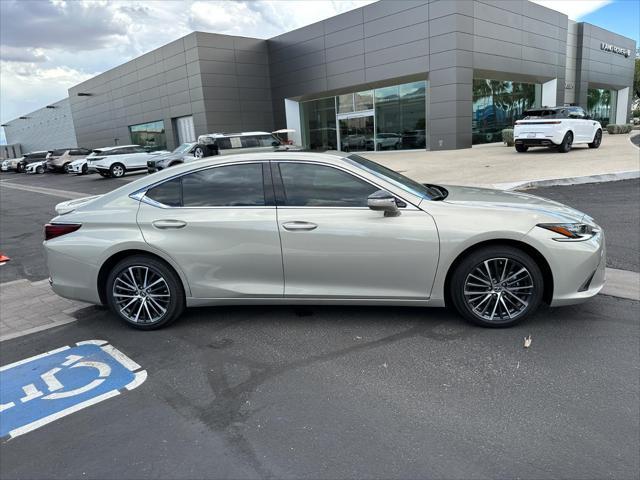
[(395, 74)]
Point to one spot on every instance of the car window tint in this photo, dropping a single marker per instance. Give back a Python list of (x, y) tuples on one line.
[(311, 185), (223, 143), (249, 142), (167, 193), (229, 186), (267, 140)]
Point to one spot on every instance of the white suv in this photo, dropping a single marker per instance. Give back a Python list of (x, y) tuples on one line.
[(227, 143), (557, 127), (116, 161)]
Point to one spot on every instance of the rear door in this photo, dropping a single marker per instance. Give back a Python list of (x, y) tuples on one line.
[(219, 225)]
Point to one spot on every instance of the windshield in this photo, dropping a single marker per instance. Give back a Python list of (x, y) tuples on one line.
[(184, 148), (394, 177)]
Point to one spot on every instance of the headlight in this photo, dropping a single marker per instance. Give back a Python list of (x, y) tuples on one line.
[(571, 231)]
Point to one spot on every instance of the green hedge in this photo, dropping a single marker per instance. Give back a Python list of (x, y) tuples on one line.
[(507, 136), (613, 128)]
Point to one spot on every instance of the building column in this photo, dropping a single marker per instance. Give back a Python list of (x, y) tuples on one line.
[(622, 105), (549, 93), (292, 114)]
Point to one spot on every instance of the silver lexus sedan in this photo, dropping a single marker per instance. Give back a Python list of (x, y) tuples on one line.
[(310, 228)]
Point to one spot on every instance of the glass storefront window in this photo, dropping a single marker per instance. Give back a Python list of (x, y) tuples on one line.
[(398, 119), (400, 116), (319, 124), (497, 105), (345, 103), (149, 135), (601, 104), (363, 100)]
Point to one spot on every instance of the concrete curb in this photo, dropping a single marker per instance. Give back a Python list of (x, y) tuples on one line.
[(550, 182)]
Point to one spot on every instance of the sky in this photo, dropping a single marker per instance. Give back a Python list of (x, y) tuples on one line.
[(47, 46)]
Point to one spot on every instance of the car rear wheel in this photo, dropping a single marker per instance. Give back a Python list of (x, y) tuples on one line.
[(145, 293), (597, 139), (521, 148), (497, 286), (117, 170), (567, 141)]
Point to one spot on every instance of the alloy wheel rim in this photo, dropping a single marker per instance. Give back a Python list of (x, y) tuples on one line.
[(117, 171), (598, 138), (141, 294), (498, 289)]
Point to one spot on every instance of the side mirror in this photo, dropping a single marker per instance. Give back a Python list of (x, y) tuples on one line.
[(383, 201)]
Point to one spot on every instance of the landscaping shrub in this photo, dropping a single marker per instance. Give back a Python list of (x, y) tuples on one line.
[(613, 128), (507, 136)]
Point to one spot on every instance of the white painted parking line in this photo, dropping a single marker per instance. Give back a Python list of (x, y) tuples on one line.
[(41, 389), (45, 191)]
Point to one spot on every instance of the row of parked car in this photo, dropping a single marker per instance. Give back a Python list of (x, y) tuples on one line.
[(114, 162)]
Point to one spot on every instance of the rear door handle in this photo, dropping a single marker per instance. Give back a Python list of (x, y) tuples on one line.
[(299, 226), (164, 224)]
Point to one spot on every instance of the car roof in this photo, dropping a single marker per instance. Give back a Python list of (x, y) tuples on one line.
[(36, 151), (236, 134), (106, 149)]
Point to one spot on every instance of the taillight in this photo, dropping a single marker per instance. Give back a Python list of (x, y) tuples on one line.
[(53, 230)]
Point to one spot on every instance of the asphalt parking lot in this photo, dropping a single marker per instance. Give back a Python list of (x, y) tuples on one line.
[(337, 392)]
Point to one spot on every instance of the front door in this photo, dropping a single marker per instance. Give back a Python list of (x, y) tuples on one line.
[(356, 133), (218, 224), (334, 246)]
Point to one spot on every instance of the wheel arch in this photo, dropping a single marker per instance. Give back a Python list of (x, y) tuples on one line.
[(111, 261), (540, 260)]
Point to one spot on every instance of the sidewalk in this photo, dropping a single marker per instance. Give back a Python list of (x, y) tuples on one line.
[(28, 307), (496, 165)]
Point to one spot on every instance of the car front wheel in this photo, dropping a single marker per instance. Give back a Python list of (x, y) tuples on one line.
[(40, 170), (145, 292), (597, 139), (567, 141), (496, 286)]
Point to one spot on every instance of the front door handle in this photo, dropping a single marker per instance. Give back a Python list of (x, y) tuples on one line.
[(299, 226), (164, 224)]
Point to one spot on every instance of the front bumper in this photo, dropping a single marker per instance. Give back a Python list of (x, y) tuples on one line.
[(578, 268), (75, 169)]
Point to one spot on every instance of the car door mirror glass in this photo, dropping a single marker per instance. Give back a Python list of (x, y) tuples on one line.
[(385, 202)]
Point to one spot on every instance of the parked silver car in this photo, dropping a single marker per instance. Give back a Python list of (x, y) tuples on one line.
[(307, 228)]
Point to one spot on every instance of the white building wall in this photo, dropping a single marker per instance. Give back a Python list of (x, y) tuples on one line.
[(44, 129)]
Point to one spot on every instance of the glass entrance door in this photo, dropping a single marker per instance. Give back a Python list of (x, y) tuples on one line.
[(356, 133)]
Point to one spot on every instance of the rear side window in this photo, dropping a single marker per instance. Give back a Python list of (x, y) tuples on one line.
[(249, 142), (229, 186), (308, 185), (168, 193)]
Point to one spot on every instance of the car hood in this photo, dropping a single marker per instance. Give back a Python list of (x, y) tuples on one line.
[(166, 156), (79, 161), (70, 205), (486, 197)]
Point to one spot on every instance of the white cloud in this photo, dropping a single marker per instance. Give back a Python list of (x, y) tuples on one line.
[(574, 9)]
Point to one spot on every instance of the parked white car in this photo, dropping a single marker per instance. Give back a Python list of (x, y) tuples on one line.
[(78, 167), (557, 127), (241, 142), (36, 167), (116, 161)]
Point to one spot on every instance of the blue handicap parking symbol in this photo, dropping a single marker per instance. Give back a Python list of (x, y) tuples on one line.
[(38, 390)]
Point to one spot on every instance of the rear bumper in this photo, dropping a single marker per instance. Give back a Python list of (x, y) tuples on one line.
[(68, 276), (536, 142)]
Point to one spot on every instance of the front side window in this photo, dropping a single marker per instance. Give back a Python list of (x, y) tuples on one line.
[(309, 185)]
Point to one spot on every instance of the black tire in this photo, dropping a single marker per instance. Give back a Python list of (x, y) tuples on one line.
[(199, 152), (597, 139), (19, 168), (40, 170), (175, 304), (567, 141), (65, 167), (117, 170), (85, 169), (521, 148), (494, 255)]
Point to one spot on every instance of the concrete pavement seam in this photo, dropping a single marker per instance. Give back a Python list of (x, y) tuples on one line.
[(45, 191), (549, 182)]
